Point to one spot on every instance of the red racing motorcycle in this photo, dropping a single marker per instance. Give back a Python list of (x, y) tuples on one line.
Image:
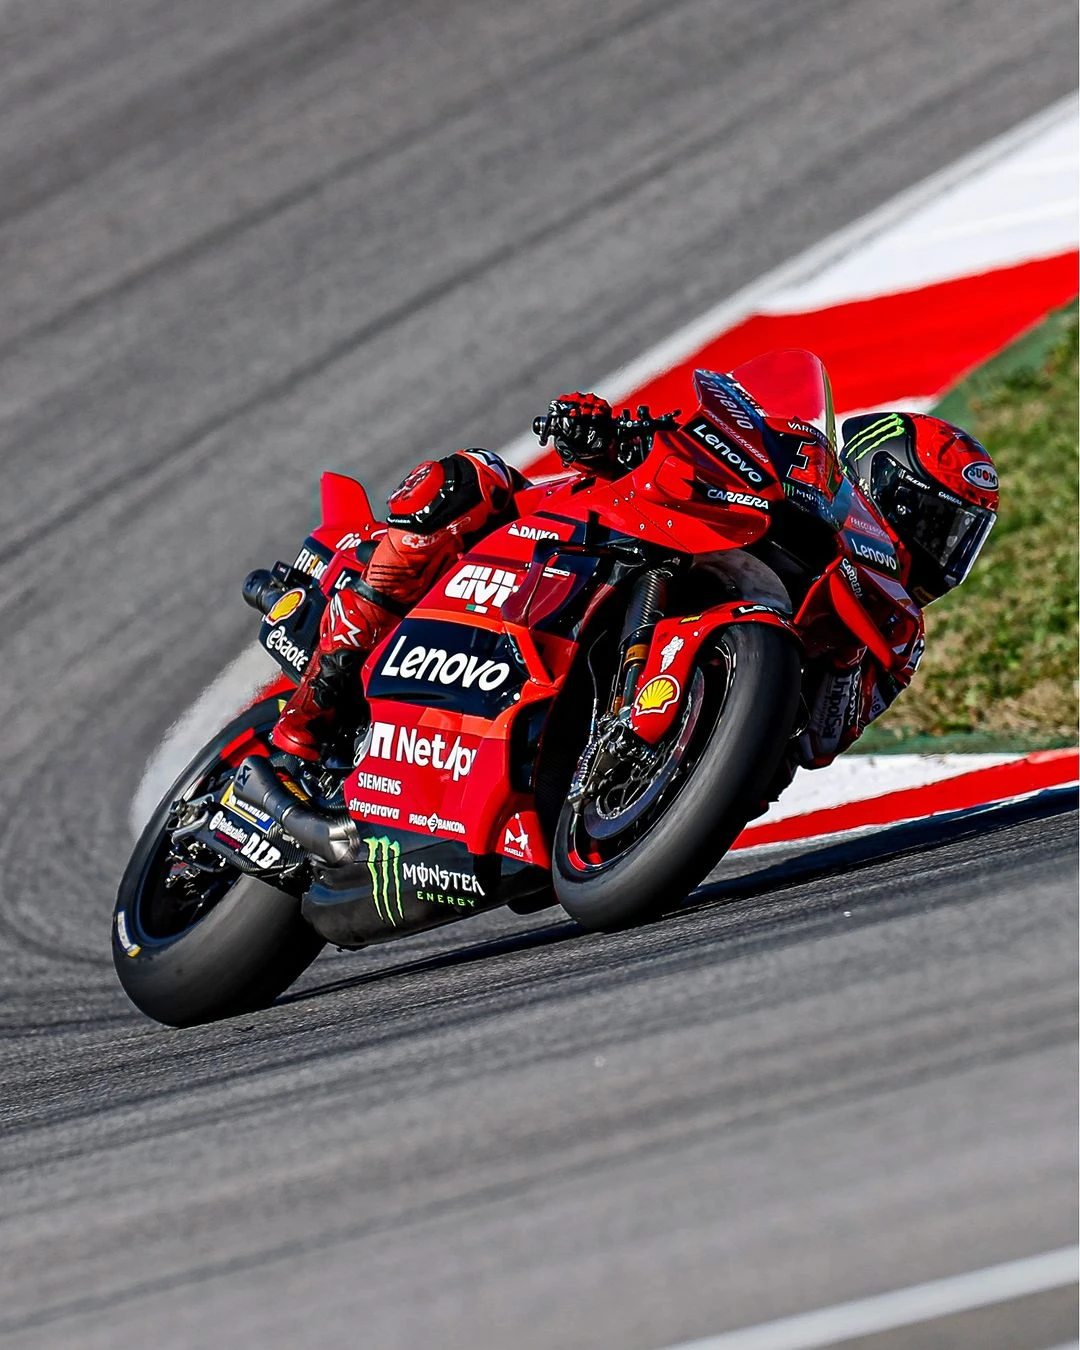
[(585, 710)]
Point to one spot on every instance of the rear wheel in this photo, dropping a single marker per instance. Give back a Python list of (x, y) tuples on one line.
[(644, 838), (221, 944)]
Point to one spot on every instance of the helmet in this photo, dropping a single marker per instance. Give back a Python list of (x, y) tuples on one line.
[(933, 484)]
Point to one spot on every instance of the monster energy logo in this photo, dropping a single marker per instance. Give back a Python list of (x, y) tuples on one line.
[(384, 864), (874, 436)]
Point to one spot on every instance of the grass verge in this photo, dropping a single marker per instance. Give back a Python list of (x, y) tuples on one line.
[(1000, 670)]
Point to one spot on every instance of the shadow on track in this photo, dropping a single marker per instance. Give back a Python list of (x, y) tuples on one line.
[(846, 857), (880, 845)]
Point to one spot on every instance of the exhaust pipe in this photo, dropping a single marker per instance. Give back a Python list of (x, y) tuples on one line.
[(330, 835)]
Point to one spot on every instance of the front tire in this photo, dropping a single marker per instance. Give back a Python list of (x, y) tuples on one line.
[(750, 705), (236, 957)]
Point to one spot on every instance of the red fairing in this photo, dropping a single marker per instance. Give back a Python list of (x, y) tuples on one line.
[(345, 504), (673, 653)]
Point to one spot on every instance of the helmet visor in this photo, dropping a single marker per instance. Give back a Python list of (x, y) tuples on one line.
[(947, 531)]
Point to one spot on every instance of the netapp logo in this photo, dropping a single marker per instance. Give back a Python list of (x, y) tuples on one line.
[(409, 747), (702, 430)]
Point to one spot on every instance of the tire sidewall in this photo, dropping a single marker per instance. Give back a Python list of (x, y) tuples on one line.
[(240, 955)]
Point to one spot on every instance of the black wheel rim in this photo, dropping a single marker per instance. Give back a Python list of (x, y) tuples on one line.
[(597, 836)]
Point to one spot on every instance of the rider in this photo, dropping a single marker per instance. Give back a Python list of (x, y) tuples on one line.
[(936, 488), (934, 485), (439, 512)]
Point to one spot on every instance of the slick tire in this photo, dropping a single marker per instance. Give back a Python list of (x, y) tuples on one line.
[(738, 752), (237, 958)]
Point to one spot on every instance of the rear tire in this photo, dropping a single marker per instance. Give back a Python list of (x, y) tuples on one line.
[(698, 819), (237, 957)]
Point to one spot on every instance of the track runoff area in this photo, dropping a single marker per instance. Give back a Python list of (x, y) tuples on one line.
[(900, 305)]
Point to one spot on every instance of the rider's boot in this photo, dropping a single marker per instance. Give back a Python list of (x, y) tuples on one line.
[(402, 567)]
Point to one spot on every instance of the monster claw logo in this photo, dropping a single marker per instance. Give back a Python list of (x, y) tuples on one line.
[(384, 864), (657, 694), (873, 436)]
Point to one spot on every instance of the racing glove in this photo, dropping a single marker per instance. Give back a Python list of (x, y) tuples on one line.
[(583, 429)]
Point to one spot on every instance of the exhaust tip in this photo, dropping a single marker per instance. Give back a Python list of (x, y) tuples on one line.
[(331, 835)]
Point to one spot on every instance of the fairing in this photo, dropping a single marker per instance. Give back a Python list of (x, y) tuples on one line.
[(460, 693)]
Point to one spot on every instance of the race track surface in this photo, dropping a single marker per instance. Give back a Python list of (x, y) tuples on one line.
[(241, 243)]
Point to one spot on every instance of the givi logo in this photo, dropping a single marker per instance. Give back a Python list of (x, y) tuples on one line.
[(483, 586)]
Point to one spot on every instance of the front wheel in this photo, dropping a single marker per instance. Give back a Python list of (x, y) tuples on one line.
[(225, 944), (632, 849)]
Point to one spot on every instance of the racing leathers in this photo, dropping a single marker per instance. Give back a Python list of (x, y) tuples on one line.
[(844, 700), (441, 509), (439, 512)]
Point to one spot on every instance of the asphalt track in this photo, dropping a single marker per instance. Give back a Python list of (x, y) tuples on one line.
[(238, 243)]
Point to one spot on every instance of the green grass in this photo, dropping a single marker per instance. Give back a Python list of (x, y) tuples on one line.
[(1000, 668)]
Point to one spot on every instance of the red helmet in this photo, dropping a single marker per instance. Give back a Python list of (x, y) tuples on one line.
[(934, 485)]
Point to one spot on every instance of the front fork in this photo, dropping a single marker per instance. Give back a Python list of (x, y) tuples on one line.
[(611, 738)]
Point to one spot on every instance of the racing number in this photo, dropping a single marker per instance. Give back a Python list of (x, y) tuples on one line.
[(811, 465)]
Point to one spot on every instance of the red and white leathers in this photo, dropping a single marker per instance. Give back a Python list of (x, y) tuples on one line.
[(437, 513), (936, 488), (846, 700)]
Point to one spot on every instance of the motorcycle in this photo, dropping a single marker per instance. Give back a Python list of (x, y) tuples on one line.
[(585, 710)]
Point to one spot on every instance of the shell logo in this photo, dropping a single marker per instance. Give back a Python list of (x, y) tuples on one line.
[(287, 604), (657, 695)]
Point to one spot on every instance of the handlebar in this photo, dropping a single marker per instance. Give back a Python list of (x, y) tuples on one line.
[(626, 428)]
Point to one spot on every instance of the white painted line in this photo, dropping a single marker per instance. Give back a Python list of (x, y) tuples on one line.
[(903, 1307), (217, 704), (851, 778)]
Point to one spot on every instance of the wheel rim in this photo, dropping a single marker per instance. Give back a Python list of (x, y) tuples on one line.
[(601, 832), (622, 802), (167, 905), (158, 913)]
